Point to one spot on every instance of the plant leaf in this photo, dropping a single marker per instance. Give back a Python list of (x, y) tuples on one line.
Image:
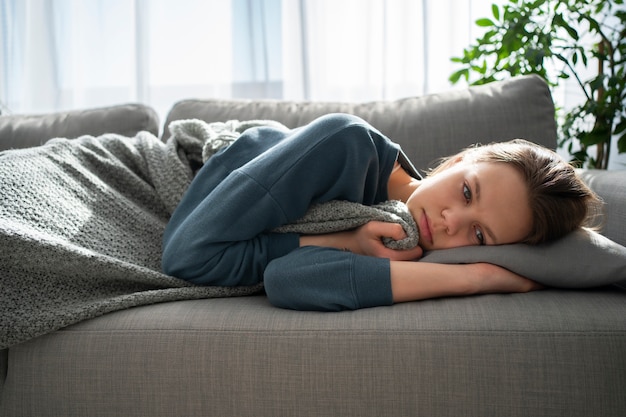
[(456, 76), (596, 136), (496, 11), (621, 144), (597, 82), (484, 22), (621, 126)]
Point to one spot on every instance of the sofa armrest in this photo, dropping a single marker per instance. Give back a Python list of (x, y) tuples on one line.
[(611, 187), (23, 131)]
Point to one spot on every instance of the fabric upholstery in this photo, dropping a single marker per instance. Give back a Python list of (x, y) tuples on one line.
[(611, 187), (23, 131), (427, 128), (4, 362), (580, 260), (514, 355)]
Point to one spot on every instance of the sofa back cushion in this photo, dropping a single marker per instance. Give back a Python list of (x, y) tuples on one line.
[(611, 187), (427, 127), (26, 130)]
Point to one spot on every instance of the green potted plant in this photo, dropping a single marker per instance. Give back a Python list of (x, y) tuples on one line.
[(560, 39)]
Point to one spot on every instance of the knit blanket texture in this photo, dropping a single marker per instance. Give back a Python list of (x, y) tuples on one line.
[(81, 224)]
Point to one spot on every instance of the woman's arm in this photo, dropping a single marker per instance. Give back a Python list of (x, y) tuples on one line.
[(411, 281), (326, 279)]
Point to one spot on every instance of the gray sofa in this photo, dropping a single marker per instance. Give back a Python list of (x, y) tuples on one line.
[(548, 353)]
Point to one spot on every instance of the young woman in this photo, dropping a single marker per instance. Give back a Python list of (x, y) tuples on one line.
[(221, 233)]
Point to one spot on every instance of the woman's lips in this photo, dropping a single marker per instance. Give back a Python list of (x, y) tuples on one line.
[(425, 231)]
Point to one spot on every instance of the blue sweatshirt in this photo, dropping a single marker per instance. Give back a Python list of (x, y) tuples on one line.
[(220, 234)]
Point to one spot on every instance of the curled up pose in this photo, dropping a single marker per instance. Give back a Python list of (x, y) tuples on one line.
[(222, 233)]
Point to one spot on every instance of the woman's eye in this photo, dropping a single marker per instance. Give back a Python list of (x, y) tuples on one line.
[(467, 193), (480, 236)]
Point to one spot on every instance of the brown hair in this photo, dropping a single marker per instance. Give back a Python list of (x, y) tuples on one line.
[(559, 200)]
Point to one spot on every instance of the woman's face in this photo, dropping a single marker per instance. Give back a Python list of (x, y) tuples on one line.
[(471, 203)]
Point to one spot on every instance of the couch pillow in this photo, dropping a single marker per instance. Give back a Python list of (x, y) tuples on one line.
[(611, 187), (581, 259), (427, 127), (23, 131)]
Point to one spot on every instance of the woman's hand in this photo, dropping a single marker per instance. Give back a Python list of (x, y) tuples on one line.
[(366, 240)]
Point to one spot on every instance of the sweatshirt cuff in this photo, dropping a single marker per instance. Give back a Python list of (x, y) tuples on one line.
[(372, 281)]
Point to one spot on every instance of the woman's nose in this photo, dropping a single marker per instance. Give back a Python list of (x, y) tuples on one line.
[(455, 220)]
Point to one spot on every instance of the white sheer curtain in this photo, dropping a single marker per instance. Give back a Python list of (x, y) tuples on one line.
[(67, 54), (374, 49)]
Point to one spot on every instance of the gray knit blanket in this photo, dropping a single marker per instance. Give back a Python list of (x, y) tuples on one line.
[(81, 223)]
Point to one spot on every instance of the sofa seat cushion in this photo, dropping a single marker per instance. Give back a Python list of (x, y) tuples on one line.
[(539, 354)]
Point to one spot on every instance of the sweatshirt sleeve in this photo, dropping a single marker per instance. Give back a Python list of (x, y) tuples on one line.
[(326, 279), (220, 234)]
